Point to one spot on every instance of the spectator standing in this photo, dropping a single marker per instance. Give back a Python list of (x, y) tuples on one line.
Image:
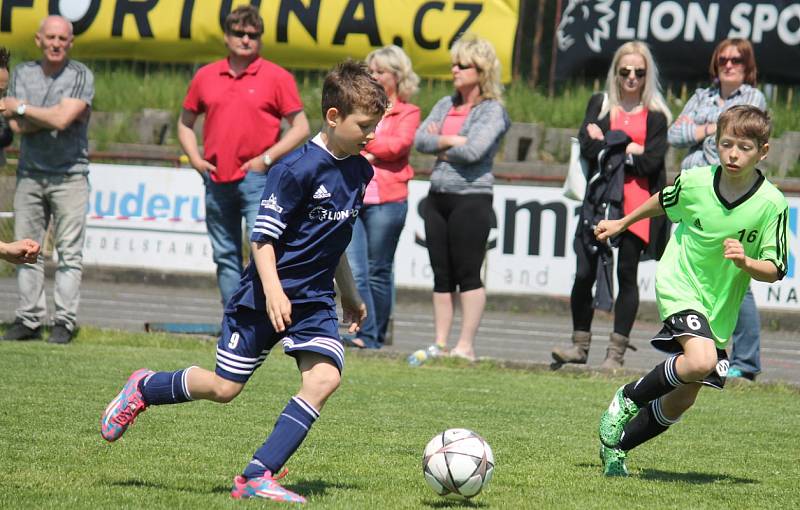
[(377, 229), (464, 131), (733, 74), (49, 104), (244, 98), (629, 119), (6, 134)]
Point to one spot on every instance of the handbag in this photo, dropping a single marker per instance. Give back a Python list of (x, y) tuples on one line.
[(577, 172), (578, 169)]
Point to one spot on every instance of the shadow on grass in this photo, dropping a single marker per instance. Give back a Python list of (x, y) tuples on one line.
[(305, 487), (317, 487), (692, 477), (674, 476), (144, 484), (453, 503)]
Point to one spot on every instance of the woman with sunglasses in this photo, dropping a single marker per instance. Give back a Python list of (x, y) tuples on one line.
[(464, 131), (633, 104), (733, 75)]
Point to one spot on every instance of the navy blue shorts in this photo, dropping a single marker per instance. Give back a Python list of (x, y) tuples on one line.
[(691, 323), (247, 338)]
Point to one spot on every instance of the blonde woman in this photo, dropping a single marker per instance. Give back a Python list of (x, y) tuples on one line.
[(376, 231), (632, 106), (464, 130)]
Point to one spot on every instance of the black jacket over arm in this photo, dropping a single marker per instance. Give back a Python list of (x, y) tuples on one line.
[(650, 164)]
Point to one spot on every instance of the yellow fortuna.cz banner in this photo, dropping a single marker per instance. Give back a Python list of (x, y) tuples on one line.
[(309, 34)]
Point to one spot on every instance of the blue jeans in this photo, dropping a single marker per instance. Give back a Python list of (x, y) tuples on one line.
[(746, 340), (66, 197), (371, 257), (226, 204)]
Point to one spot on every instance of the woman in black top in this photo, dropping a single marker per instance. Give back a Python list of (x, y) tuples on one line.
[(629, 121)]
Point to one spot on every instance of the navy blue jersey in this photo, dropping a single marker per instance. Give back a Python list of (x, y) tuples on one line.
[(308, 208)]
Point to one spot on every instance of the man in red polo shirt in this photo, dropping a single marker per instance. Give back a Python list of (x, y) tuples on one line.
[(244, 97)]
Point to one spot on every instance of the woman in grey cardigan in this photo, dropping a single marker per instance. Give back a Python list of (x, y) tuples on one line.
[(464, 130)]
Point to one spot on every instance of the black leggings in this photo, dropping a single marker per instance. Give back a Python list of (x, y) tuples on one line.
[(627, 303), (456, 230)]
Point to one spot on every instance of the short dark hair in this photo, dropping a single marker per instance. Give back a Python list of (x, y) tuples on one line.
[(244, 15), (746, 121), (745, 49), (5, 56), (349, 87)]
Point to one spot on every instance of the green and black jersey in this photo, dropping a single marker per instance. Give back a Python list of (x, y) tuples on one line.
[(693, 274)]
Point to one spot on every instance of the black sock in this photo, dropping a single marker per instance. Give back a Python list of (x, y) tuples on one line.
[(646, 425), (657, 383)]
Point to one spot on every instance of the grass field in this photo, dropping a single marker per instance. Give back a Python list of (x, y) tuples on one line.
[(737, 449)]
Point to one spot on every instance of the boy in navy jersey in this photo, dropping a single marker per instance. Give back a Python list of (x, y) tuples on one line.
[(310, 201)]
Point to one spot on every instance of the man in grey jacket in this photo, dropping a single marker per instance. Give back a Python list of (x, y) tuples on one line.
[(48, 104)]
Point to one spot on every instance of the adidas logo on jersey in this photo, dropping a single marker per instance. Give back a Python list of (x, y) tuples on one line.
[(321, 193), (698, 224)]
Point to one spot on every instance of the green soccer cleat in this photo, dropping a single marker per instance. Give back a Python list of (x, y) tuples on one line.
[(613, 460), (614, 419)]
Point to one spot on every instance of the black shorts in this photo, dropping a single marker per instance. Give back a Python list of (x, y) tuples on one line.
[(691, 323)]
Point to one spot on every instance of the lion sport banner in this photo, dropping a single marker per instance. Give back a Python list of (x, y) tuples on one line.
[(681, 33), (308, 34)]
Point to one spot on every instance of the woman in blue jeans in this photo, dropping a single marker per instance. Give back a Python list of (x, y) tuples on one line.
[(377, 229)]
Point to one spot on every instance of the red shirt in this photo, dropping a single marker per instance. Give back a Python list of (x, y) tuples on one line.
[(636, 190), (394, 138), (243, 113)]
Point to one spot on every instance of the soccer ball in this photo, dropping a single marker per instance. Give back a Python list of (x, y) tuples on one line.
[(457, 463)]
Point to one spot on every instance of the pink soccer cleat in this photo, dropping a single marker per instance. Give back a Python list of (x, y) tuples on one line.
[(126, 406), (264, 487)]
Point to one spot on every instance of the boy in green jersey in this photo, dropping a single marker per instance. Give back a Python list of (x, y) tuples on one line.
[(731, 228)]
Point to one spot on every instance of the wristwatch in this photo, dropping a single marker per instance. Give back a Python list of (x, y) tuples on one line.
[(21, 109), (267, 160)]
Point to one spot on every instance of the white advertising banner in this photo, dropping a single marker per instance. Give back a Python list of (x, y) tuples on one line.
[(153, 218), (147, 217), (531, 248)]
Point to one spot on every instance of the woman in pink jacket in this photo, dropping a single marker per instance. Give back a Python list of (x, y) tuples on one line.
[(377, 229)]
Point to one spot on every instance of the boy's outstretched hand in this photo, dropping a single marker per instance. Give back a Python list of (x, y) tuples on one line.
[(607, 228), (734, 251), (354, 314)]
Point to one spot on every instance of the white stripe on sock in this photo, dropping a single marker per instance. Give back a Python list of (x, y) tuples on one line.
[(308, 408), (658, 414), (185, 382), (295, 420), (669, 369)]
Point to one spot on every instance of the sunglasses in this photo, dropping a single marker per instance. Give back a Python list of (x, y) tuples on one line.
[(626, 71), (241, 33), (723, 61), (462, 66)]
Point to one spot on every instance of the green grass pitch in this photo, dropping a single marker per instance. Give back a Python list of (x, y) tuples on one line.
[(736, 449)]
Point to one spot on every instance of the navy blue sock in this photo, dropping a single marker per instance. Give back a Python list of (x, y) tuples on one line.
[(165, 388), (657, 383), (290, 430)]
